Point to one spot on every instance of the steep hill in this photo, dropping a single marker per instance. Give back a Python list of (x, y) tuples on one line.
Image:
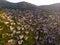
[(52, 7), (20, 5)]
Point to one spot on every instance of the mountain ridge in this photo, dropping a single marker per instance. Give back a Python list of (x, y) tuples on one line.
[(53, 7), (25, 5), (20, 5)]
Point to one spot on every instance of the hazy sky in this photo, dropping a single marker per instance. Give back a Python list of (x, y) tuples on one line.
[(37, 2)]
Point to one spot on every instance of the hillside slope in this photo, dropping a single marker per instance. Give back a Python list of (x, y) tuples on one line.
[(52, 7)]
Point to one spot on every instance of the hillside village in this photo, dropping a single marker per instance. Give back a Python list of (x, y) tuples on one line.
[(29, 25)]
